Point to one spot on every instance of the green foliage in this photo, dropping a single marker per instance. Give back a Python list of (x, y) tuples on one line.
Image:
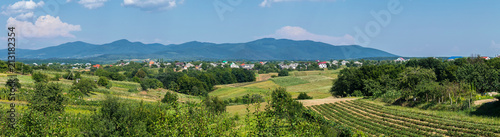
[(214, 105), (170, 98), (11, 82), (40, 77), (150, 83), (357, 93), (303, 96), (56, 77), (133, 90), (84, 86), (47, 98), (141, 74), (103, 81), (497, 96), (283, 73)]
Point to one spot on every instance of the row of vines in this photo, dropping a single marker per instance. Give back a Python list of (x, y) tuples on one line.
[(377, 120)]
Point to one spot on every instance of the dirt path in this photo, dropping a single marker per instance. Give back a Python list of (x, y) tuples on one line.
[(480, 102), (324, 101)]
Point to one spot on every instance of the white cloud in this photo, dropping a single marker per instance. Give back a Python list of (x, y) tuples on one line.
[(44, 27), (152, 5), (25, 16), (92, 4), (298, 33), (22, 7), (267, 3)]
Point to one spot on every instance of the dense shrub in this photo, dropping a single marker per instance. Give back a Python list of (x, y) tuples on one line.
[(214, 104), (103, 81), (303, 96), (84, 86), (40, 77), (170, 98), (283, 73), (47, 98)]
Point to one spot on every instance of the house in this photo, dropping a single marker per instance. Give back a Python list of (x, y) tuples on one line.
[(88, 64), (322, 65), (335, 62), (453, 58), (344, 62), (179, 64), (262, 63), (400, 59), (247, 66), (97, 66), (486, 58), (151, 63), (213, 64), (234, 65), (188, 65), (35, 64), (358, 63)]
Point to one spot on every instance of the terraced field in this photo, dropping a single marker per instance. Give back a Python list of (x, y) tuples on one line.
[(377, 120)]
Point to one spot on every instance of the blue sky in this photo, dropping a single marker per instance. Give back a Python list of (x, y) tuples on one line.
[(401, 27)]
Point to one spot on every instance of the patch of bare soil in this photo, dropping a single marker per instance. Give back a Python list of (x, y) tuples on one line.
[(480, 102), (324, 101)]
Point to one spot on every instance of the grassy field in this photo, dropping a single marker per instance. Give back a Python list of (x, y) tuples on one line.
[(376, 119)]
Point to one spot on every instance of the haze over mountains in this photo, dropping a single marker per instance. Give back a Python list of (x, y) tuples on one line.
[(262, 49)]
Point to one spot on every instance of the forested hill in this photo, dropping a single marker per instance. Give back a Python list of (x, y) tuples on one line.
[(262, 49)]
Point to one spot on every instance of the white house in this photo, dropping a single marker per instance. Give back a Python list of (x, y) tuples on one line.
[(400, 59), (234, 65), (344, 62), (322, 64)]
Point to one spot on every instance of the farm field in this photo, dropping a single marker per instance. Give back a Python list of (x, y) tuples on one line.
[(315, 83), (375, 119)]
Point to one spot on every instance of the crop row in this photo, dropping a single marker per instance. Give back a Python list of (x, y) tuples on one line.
[(398, 129), (472, 128), (415, 123)]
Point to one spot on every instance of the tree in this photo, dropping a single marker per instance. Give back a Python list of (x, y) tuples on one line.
[(170, 98), (215, 105), (47, 98), (40, 77), (141, 74), (84, 86), (303, 96), (283, 73), (103, 81)]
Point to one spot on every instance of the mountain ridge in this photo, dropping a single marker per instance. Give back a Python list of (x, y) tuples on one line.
[(260, 49)]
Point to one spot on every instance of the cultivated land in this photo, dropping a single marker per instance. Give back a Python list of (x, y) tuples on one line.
[(375, 119), (371, 117)]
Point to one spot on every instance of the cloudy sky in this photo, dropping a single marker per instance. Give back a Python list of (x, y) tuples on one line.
[(402, 27)]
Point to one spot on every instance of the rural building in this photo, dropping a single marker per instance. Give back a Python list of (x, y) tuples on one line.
[(322, 64), (344, 62), (234, 65), (247, 66), (486, 58), (400, 59)]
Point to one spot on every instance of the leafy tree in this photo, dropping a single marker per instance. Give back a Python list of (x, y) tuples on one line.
[(47, 98), (13, 81), (57, 76), (141, 74), (40, 77), (84, 86), (303, 96), (103, 81), (215, 105), (170, 98), (136, 79), (173, 86), (283, 73)]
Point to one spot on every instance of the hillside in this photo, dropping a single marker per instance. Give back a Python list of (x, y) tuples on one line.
[(262, 49)]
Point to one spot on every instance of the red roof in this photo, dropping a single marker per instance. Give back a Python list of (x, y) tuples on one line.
[(242, 64), (324, 62)]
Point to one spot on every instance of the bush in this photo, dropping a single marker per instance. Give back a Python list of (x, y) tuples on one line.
[(85, 86), (39, 77), (56, 77), (497, 96), (215, 105), (303, 96), (283, 73), (47, 98), (103, 81), (133, 90), (357, 93), (170, 98)]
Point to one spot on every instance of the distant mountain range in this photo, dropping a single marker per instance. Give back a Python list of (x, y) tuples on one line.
[(262, 49)]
